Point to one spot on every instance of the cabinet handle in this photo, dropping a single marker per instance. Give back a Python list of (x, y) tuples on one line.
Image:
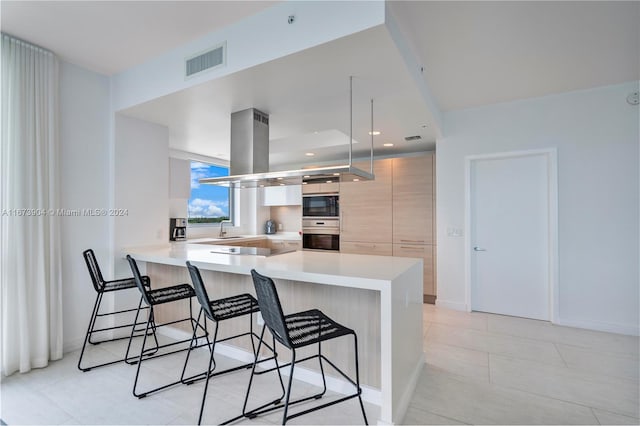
[(366, 245), (412, 241), (412, 248)]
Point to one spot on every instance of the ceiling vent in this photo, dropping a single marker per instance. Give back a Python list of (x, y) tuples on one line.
[(412, 138), (205, 61)]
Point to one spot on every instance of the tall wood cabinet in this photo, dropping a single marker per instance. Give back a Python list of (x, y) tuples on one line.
[(393, 215), (366, 211), (413, 214)]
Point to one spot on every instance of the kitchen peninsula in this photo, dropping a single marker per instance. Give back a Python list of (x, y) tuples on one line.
[(380, 297)]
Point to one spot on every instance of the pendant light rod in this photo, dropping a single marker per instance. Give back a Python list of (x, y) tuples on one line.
[(371, 155), (350, 120)]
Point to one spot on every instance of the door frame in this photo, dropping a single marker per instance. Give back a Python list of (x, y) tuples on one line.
[(551, 155)]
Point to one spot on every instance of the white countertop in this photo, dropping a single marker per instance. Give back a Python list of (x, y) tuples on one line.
[(347, 270)]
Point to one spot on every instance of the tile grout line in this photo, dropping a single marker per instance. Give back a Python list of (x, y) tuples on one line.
[(595, 415), (564, 361)]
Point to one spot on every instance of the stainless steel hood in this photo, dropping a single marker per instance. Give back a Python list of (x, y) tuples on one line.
[(249, 159)]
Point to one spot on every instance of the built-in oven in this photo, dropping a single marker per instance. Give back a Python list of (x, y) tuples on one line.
[(321, 234), (320, 206)]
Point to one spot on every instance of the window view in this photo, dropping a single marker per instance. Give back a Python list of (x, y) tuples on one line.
[(208, 203)]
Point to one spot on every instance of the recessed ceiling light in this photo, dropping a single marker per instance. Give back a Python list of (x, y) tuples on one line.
[(306, 176), (309, 154), (304, 183), (282, 184), (356, 180), (336, 174), (279, 178), (261, 186), (374, 133), (387, 144), (329, 181)]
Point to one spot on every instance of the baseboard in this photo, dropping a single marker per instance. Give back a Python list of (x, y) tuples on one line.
[(409, 389), (631, 330), (369, 394), (451, 305)]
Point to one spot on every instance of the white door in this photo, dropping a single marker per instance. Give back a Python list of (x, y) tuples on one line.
[(509, 235)]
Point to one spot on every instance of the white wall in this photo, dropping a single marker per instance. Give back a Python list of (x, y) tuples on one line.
[(141, 182), (597, 137), (84, 181)]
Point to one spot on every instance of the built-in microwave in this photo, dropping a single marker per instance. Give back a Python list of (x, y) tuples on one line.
[(320, 205)]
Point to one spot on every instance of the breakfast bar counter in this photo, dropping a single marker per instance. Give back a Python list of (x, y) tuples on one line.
[(380, 297)]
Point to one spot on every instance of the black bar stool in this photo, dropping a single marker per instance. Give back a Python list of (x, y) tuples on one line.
[(296, 331), (158, 297), (217, 311), (101, 287)]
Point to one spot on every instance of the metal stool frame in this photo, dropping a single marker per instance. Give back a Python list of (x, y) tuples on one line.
[(101, 287), (296, 331), (217, 311), (153, 298)]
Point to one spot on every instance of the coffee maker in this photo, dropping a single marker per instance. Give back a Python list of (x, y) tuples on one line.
[(177, 229), (270, 227)]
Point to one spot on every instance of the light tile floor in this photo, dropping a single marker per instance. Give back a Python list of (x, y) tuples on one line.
[(481, 369)]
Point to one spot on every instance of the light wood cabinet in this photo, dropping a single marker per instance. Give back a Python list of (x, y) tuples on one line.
[(365, 207), (413, 201), (380, 249), (426, 252), (252, 243), (320, 188), (285, 244)]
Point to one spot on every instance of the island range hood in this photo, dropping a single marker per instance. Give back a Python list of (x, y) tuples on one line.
[(249, 158)]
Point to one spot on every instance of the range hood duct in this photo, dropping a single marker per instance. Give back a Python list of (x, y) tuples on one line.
[(249, 158)]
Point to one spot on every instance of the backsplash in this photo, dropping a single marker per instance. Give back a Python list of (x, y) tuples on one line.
[(289, 216)]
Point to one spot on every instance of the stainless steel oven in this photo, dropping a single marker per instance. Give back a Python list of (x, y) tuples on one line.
[(321, 234), (320, 206)]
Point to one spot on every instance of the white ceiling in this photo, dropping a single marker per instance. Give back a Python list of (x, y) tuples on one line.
[(304, 93), (474, 53), (111, 36), (480, 52)]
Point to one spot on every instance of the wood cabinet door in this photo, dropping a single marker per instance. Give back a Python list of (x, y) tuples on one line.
[(320, 188), (380, 249), (365, 207), (413, 200), (426, 253)]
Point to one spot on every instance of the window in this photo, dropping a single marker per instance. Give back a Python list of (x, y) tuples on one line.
[(208, 203)]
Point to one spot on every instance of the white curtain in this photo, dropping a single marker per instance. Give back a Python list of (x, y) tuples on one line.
[(31, 287)]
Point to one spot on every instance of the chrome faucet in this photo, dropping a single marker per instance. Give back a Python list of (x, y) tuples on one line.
[(222, 232)]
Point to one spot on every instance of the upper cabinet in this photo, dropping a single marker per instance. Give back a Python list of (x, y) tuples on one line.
[(179, 178), (365, 207), (413, 200), (290, 195), (320, 188)]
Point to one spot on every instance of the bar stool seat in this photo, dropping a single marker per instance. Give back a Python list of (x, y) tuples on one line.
[(309, 327), (170, 294)]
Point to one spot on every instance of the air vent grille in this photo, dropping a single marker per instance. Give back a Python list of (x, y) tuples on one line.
[(412, 138), (208, 60)]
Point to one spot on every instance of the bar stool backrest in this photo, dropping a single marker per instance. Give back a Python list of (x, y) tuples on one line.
[(138, 279), (201, 291), (94, 270), (270, 307)]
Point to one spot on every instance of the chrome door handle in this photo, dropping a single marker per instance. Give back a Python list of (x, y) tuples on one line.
[(476, 248)]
